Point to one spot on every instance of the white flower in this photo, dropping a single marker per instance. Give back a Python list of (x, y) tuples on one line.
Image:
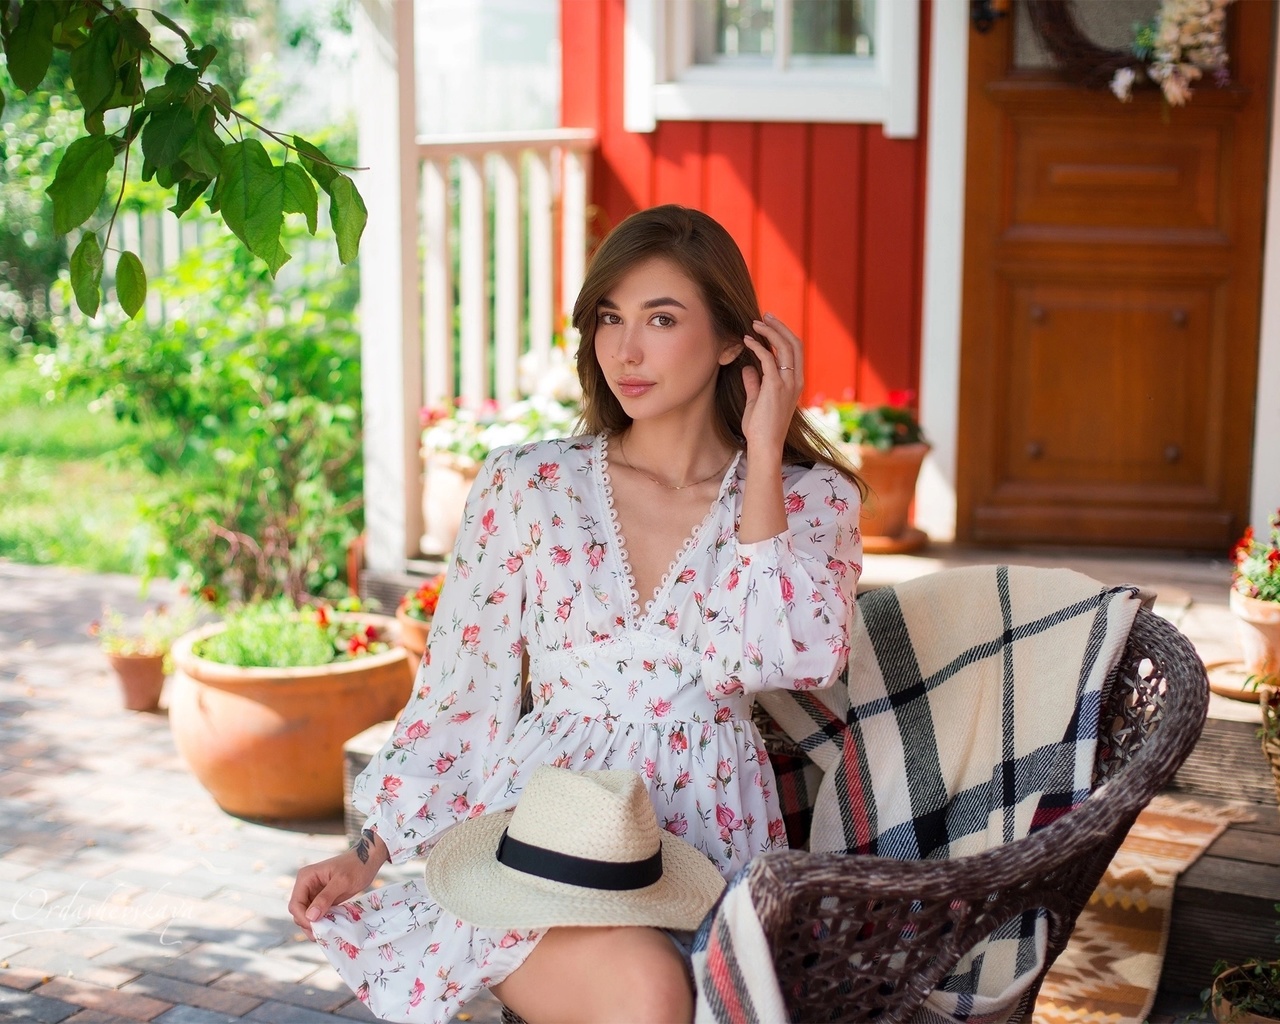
[(1122, 84)]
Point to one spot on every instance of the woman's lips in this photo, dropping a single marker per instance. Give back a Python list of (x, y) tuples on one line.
[(633, 387)]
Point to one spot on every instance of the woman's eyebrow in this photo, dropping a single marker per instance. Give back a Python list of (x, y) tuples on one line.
[(608, 303)]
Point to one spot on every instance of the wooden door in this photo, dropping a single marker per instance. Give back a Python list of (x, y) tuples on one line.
[(1112, 282)]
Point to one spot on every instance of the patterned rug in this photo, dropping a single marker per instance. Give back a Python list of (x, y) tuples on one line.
[(1111, 967)]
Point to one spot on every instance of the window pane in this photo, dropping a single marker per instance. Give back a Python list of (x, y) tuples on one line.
[(833, 27), (743, 27)]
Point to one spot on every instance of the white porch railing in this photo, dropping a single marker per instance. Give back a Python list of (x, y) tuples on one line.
[(503, 237)]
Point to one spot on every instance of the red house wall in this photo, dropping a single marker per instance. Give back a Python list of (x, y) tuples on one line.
[(830, 217)]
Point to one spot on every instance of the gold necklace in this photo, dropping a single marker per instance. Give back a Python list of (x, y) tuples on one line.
[(622, 450)]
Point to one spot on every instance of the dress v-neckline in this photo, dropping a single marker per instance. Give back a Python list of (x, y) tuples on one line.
[(637, 615)]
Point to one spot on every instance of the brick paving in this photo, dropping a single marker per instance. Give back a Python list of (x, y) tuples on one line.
[(126, 894)]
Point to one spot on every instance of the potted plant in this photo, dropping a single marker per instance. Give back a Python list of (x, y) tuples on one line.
[(263, 701), (455, 441), (414, 614), (1255, 602), (139, 650), (1246, 993), (887, 445)]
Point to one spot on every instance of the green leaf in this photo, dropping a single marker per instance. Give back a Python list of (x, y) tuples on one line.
[(203, 153), (300, 194), (131, 283), (348, 213), (134, 125), (134, 31), (202, 57), (73, 29), (250, 192), (173, 27), (86, 274), (166, 134), (80, 180), (181, 78), (314, 160), (1, 103), (29, 47), (189, 190), (93, 66), (222, 100)]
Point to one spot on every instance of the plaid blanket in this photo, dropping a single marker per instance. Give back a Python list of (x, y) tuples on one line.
[(967, 718)]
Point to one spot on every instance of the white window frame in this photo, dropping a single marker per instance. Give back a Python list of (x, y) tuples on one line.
[(661, 82)]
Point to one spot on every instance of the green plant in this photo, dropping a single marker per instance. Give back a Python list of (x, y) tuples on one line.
[(881, 426), (472, 434), (188, 130), (1251, 987), (421, 603), (248, 408), (274, 634), (150, 636), (1256, 563)]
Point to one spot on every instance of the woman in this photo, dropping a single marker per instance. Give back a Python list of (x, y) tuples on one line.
[(697, 483)]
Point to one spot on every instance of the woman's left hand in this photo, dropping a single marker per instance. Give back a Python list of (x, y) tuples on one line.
[(774, 390)]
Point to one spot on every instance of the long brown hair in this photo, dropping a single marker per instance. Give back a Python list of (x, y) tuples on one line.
[(707, 254)]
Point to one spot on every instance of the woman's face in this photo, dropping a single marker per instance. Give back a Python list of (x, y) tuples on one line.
[(657, 345)]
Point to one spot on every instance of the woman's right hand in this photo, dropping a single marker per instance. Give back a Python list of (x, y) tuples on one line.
[(321, 885)]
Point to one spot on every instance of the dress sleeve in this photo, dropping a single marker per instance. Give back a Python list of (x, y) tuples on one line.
[(466, 697), (778, 612)]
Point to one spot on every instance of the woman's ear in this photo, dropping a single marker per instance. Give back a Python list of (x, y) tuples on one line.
[(730, 352)]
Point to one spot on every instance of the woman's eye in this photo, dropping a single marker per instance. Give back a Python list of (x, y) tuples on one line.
[(607, 318), (664, 320)]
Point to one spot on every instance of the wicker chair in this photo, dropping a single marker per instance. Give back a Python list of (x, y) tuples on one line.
[(868, 938), (905, 924)]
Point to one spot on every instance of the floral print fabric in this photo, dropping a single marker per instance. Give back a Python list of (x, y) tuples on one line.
[(662, 687)]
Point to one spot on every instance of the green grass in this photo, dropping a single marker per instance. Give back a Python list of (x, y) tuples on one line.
[(69, 494)]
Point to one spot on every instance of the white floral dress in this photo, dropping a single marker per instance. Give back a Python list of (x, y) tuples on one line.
[(540, 568)]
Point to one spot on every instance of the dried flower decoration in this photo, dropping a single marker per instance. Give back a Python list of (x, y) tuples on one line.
[(1176, 49)]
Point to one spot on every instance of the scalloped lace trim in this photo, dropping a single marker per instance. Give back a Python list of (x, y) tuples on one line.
[(635, 613)]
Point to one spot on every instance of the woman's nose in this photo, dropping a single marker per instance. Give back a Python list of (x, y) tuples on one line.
[(629, 350)]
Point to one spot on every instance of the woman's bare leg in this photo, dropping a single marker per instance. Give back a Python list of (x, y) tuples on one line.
[(601, 976)]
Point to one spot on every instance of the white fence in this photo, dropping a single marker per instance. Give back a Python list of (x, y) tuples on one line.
[(503, 235)]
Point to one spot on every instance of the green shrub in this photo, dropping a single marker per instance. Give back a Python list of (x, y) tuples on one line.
[(247, 402), (274, 634)]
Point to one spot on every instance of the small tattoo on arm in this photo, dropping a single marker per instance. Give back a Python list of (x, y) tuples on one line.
[(364, 844)]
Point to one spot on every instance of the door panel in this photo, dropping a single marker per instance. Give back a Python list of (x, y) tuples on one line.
[(1111, 303)]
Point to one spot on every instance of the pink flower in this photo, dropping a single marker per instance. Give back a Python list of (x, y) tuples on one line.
[(564, 608), (725, 816), (682, 780), (391, 784), (650, 768), (777, 830), (788, 589), (687, 576), (732, 583), (838, 503), (560, 555), (659, 707), (678, 741), (509, 940), (460, 804), (418, 730), (471, 637), (497, 597), (794, 503), (444, 762), (549, 473), (671, 620), (476, 811), (461, 717), (677, 825), (489, 521), (595, 553), (346, 947), (723, 714), (513, 563), (724, 772)]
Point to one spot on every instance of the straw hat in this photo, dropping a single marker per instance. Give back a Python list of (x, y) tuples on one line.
[(580, 848)]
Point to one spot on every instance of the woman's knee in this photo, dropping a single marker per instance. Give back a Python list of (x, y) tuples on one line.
[(602, 976)]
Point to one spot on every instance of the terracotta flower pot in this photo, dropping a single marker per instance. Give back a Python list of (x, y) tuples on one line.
[(891, 474), (1258, 629), (1224, 1011), (267, 742), (141, 679), (446, 482), (413, 633)]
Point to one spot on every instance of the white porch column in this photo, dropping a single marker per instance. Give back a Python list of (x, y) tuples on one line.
[(390, 309)]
